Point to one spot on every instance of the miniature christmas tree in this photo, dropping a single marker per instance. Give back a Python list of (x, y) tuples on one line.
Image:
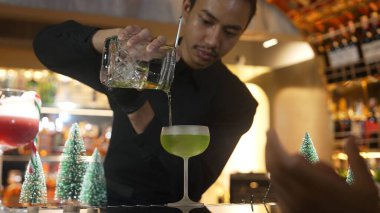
[(308, 150), (94, 183), (33, 190), (350, 177), (71, 168)]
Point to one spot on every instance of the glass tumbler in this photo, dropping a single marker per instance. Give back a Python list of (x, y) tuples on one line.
[(134, 67)]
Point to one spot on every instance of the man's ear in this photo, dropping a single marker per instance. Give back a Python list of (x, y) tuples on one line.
[(186, 7)]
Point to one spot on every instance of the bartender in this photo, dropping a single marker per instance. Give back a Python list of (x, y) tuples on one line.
[(204, 92)]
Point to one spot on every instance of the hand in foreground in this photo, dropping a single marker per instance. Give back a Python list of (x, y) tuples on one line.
[(302, 187)]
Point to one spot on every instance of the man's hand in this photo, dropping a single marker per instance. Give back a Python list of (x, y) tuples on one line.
[(302, 187), (136, 35), (100, 36)]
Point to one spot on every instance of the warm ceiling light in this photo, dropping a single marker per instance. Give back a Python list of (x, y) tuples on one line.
[(343, 156), (270, 43)]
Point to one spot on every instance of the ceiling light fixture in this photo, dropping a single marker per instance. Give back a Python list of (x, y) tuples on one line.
[(270, 43)]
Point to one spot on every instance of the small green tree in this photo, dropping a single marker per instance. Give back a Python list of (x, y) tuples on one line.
[(94, 183), (350, 177), (71, 168), (33, 190), (308, 151)]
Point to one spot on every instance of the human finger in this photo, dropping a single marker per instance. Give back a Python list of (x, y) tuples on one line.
[(357, 163), (143, 35), (310, 185), (156, 43), (128, 32), (279, 162), (275, 155), (318, 177), (327, 170)]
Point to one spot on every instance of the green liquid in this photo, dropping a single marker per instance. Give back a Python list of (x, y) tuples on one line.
[(170, 108), (185, 145), (146, 75)]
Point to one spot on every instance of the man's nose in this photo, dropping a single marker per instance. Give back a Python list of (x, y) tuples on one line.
[(214, 36)]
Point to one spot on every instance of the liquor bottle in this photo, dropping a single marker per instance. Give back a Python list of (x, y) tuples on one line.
[(356, 56), (12, 191), (344, 121), (366, 34), (104, 140), (375, 25), (334, 55), (334, 118), (366, 38), (323, 47), (320, 49), (357, 125), (354, 36), (50, 177), (348, 52), (44, 142), (371, 125), (375, 43), (58, 141)]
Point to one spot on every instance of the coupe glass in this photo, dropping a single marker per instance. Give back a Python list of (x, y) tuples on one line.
[(185, 141), (19, 120)]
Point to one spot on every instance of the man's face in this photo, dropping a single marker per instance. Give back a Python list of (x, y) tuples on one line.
[(212, 28)]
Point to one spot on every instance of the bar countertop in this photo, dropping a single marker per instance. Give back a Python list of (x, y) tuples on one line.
[(214, 208)]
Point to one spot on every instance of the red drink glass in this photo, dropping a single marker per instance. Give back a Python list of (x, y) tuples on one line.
[(19, 120)]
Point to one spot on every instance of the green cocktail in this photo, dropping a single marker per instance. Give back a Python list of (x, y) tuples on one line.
[(185, 145), (185, 141)]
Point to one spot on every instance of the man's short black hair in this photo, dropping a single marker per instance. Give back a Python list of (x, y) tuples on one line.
[(252, 2)]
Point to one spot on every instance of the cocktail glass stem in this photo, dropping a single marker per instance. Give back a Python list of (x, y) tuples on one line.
[(185, 180), (186, 201)]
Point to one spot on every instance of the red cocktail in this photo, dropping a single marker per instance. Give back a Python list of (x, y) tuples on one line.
[(16, 131), (19, 119)]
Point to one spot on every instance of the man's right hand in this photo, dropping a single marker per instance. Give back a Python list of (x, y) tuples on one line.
[(136, 35), (100, 36)]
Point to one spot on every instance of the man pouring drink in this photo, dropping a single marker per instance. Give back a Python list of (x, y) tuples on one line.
[(204, 93)]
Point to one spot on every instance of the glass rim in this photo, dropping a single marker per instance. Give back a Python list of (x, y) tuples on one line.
[(185, 129), (165, 46), (12, 90)]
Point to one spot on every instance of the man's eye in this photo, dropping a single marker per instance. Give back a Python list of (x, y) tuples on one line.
[(230, 33), (206, 22)]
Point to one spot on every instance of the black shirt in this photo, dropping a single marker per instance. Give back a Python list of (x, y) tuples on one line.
[(138, 169)]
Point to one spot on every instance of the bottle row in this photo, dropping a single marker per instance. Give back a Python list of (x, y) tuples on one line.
[(350, 50), (308, 16), (358, 119)]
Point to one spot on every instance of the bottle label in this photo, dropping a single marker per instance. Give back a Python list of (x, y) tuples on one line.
[(344, 56), (371, 51)]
